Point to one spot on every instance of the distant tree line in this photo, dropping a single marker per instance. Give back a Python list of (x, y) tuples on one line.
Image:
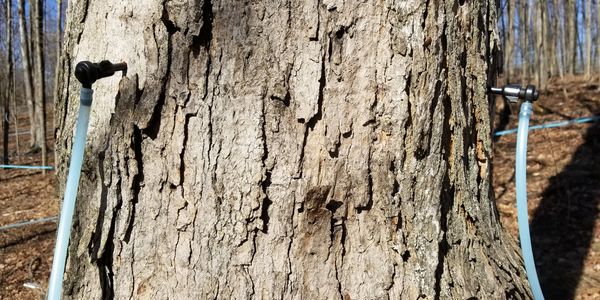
[(30, 32), (550, 38)]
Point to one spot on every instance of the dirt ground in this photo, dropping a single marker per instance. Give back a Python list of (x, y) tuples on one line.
[(26, 252), (563, 188)]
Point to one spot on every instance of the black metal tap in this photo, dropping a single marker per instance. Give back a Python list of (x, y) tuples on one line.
[(88, 72), (514, 92)]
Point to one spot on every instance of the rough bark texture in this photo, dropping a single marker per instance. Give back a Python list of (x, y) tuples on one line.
[(304, 149)]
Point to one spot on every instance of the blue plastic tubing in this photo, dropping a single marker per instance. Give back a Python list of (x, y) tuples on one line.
[(68, 205), (26, 167), (552, 125), (522, 213)]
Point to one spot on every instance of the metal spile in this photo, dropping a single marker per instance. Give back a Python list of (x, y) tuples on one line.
[(514, 92)]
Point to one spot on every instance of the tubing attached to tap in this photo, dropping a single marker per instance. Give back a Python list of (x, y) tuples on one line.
[(68, 205), (528, 94), (87, 73), (522, 212)]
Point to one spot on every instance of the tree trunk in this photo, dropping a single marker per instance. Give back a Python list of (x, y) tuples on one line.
[(541, 45), (9, 83), (570, 30), (550, 35), (538, 47), (286, 150), (574, 35), (16, 119), (40, 84), (531, 35), (598, 37), (510, 41), (58, 50), (588, 39), (524, 26), (27, 71), (566, 36), (559, 39)]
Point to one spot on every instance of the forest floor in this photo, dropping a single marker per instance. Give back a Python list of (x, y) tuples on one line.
[(26, 252), (563, 188)]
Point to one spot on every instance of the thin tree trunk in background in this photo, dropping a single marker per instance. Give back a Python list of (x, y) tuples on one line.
[(40, 89), (575, 37), (570, 32), (559, 37), (27, 71), (9, 81), (544, 56), (598, 38), (16, 119), (509, 41), (538, 49), (534, 52), (524, 36), (550, 37), (588, 39), (58, 50), (286, 150)]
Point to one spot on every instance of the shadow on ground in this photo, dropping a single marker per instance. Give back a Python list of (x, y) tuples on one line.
[(563, 224)]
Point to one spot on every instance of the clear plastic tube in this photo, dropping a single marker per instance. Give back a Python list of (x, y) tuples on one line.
[(68, 205), (522, 213)]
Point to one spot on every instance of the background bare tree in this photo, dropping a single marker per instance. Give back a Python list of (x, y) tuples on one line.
[(588, 39), (39, 77), (553, 42), (27, 72), (8, 94)]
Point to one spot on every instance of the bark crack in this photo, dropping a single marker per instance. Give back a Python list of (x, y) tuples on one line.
[(105, 261), (204, 38), (446, 203), (310, 125), (266, 182), (446, 194), (137, 180)]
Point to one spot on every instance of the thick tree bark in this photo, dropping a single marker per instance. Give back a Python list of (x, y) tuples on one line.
[(27, 71), (298, 149)]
